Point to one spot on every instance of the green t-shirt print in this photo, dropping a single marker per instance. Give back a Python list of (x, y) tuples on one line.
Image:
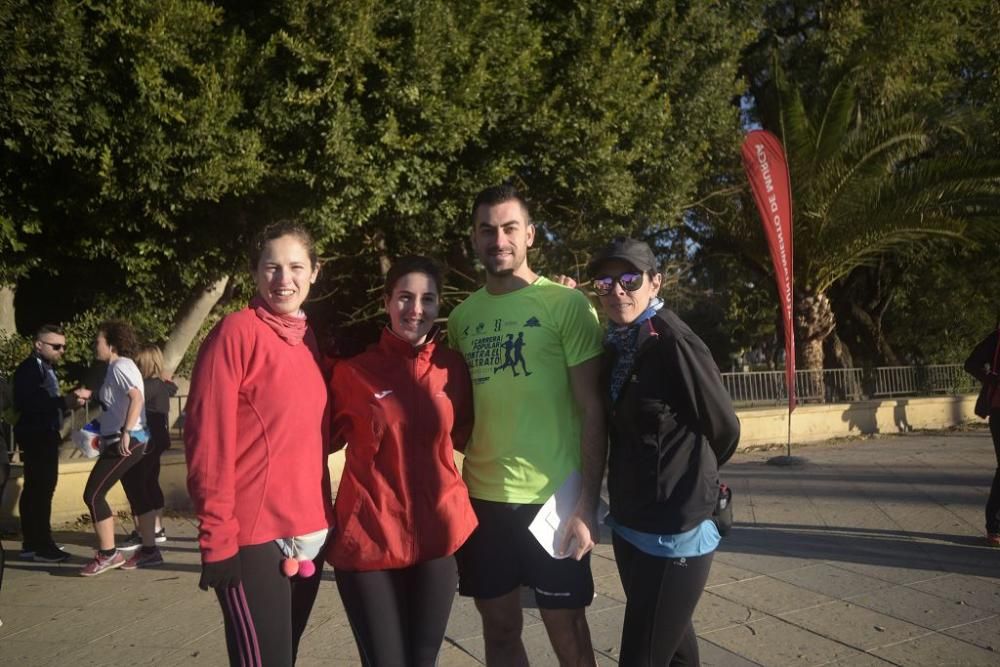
[(519, 346)]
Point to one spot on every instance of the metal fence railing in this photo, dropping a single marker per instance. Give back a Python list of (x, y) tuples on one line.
[(748, 389), (848, 384), (837, 385), (83, 415), (77, 418)]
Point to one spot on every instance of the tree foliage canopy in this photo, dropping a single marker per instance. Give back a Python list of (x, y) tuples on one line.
[(167, 131), (145, 140)]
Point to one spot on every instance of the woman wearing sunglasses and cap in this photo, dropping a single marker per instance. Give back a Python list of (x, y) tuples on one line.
[(671, 424)]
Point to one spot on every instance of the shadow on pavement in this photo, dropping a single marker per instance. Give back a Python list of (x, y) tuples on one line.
[(920, 551)]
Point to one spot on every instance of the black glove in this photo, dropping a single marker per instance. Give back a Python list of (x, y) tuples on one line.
[(221, 574)]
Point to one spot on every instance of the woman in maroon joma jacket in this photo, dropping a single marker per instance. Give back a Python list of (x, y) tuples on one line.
[(403, 407)]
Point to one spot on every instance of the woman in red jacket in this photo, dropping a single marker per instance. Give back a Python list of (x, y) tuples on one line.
[(254, 439), (403, 406)]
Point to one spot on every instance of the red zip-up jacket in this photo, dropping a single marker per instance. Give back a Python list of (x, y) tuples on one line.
[(402, 410)]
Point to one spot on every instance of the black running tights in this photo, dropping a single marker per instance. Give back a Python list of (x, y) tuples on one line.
[(267, 613), (661, 595), (109, 469), (399, 616)]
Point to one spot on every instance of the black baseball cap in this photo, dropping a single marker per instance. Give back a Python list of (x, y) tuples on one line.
[(633, 251)]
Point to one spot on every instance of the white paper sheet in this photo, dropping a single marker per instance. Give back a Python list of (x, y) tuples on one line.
[(549, 524)]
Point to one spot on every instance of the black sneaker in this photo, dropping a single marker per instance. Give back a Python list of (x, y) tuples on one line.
[(26, 554), (51, 554), (131, 543)]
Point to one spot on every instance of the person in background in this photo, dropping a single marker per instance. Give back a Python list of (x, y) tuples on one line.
[(671, 424), (41, 407), (254, 436), (124, 439), (402, 509), (984, 365), (158, 389)]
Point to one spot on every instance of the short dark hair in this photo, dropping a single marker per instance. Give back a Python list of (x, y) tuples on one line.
[(276, 230), (500, 194), (119, 335), (49, 329), (412, 264)]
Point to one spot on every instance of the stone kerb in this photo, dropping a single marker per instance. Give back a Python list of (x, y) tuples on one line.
[(760, 426), (814, 423)]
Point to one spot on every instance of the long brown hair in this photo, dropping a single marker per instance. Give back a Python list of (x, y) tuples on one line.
[(150, 361)]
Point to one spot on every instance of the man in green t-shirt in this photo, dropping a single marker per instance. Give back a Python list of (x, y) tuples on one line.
[(533, 349)]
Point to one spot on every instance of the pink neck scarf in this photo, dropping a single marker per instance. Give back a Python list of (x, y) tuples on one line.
[(291, 328)]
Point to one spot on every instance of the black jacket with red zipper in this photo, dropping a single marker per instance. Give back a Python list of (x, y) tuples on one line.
[(671, 427)]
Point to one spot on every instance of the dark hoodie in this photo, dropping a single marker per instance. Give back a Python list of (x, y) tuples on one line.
[(671, 427)]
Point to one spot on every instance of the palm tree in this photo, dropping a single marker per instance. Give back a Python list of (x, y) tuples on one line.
[(863, 188)]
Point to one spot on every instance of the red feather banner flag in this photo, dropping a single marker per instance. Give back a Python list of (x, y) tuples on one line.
[(765, 165)]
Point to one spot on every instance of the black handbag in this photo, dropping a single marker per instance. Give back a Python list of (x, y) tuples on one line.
[(723, 514)]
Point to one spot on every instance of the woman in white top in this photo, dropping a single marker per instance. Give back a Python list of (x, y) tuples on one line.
[(124, 438)]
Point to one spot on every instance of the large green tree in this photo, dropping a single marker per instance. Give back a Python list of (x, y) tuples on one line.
[(864, 186), (925, 331), (936, 60), (150, 139), (921, 55), (123, 152), (387, 119)]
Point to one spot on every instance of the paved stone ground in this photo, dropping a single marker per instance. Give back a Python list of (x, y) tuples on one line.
[(871, 553)]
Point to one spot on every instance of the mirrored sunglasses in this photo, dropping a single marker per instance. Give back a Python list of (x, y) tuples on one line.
[(630, 282)]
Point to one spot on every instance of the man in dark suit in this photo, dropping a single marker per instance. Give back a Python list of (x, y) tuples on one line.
[(41, 409)]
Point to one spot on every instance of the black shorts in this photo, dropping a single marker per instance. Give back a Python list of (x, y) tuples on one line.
[(502, 554)]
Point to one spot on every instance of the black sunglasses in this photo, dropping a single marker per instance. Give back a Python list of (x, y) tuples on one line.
[(630, 282), (54, 346)]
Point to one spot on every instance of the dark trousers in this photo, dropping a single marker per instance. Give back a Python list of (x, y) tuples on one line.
[(40, 455), (993, 504), (4, 476), (267, 613), (399, 616), (142, 482), (661, 595), (149, 468)]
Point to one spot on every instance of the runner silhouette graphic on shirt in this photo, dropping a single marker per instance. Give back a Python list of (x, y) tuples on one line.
[(513, 354)]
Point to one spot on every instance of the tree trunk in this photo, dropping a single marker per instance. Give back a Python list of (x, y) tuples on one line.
[(836, 354), (811, 355), (814, 322), (844, 386), (864, 298), (8, 327), (384, 261), (189, 320), (871, 323)]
